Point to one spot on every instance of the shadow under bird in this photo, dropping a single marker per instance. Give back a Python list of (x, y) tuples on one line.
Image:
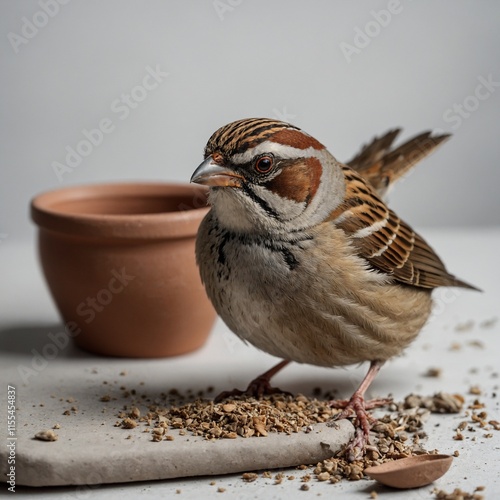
[(301, 256)]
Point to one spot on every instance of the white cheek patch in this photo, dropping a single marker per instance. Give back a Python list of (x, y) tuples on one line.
[(288, 209)]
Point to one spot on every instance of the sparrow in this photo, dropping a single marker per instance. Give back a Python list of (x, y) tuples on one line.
[(301, 256)]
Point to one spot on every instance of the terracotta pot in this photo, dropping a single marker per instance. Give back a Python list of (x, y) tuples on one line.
[(119, 261)]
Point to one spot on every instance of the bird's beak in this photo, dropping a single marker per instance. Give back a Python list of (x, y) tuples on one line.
[(211, 174)]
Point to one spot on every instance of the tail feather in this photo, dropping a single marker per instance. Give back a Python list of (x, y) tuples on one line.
[(383, 167)]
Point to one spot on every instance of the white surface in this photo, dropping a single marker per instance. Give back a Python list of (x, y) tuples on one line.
[(231, 59), (27, 316)]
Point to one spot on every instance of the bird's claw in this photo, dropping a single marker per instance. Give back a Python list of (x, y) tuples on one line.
[(356, 448), (357, 407)]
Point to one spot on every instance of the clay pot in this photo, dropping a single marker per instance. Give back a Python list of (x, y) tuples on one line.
[(119, 261)]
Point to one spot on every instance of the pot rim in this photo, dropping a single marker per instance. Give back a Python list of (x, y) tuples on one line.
[(161, 225)]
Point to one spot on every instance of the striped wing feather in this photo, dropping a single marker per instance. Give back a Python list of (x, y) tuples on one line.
[(387, 242)]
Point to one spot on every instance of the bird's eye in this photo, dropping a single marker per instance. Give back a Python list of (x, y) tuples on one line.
[(264, 164)]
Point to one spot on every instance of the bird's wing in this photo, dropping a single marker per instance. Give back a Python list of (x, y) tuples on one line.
[(386, 241), (381, 167)]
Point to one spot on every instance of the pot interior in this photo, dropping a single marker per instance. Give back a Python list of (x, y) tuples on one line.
[(126, 204)]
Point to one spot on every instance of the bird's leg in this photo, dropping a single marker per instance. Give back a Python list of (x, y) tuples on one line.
[(259, 386), (358, 406)]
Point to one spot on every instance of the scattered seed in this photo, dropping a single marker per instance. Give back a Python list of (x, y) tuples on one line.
[(135, 413), (249, 477), (488, 323), (495, 424), (128, 423), (476, 343), (456, 494), (439, 403), (278, 478), (467, 326), (48, 435), (323, 476), (433, 372)]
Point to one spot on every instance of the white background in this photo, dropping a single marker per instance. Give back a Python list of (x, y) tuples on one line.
[(231, 59)]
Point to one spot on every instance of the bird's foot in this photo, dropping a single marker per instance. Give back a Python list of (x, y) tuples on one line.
[(358, 407), (258, 387)]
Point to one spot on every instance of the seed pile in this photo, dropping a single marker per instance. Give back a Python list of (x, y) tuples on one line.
[(232, 418)]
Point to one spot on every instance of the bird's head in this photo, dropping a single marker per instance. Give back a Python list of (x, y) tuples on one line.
[(266, 175)]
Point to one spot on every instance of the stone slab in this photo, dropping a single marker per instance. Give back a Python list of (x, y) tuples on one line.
[(98, 457)]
